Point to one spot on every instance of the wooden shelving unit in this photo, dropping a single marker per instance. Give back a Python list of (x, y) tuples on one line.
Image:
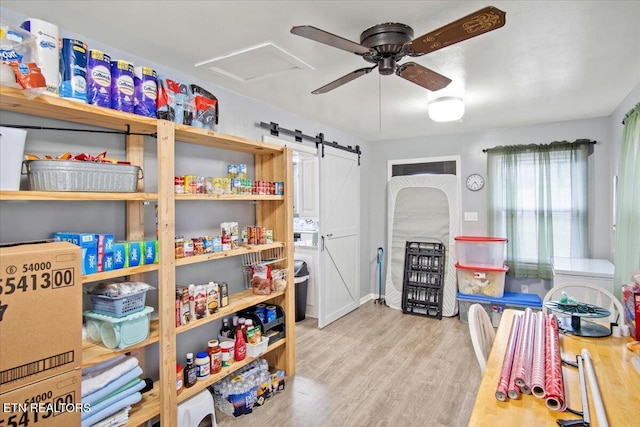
[(275, 212)]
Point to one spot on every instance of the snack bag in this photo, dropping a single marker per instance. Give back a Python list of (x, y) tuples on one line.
[(18, 49), (261, 280)]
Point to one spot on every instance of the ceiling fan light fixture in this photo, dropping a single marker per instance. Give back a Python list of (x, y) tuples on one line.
[(446, 109)]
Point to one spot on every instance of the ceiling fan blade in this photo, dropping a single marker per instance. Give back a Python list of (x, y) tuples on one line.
[(322, 36), (475, 24), (342, 80), (422, 76)]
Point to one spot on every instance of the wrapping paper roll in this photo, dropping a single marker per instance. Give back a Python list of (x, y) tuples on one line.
[(553, 384), (502, 390), (514, 389), (523, 367), (538, 367), (601, 414)]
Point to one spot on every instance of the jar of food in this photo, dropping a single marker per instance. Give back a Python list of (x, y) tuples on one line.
[(215, 354), (203, 363), (227, 352)]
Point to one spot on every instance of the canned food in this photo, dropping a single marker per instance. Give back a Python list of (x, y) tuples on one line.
[(190, 184), (178, 181), (271, 313), (200, 184)]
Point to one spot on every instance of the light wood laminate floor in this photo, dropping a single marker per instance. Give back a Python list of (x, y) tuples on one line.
[(375, 367)]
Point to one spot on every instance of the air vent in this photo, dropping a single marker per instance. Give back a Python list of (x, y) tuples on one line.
[(254, 63)]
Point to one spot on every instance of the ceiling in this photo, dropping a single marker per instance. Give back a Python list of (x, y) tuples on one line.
[(552, 61)]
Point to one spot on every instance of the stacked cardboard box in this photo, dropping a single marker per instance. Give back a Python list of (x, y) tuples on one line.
[(40, 334)]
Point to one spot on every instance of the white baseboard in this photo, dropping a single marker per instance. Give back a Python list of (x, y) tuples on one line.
[(369, 297)]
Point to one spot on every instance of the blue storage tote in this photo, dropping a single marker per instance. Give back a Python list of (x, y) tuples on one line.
[(495, 306)]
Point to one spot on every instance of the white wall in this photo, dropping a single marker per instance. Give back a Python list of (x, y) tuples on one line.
[(469, 146)]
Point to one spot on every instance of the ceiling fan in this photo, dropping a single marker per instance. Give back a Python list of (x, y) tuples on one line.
[(386, 44)]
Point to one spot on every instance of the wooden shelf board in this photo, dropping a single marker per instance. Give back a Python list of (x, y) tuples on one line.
[(147, 408), (214, 139), (233, 252), (75, 195), (249, 197), (112, 274), (93, 353), (70, 111), (237, 302), (202, 384)]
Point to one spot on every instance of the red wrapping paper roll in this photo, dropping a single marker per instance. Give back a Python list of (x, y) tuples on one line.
[(502, 391), (538, 367), (554, 385)]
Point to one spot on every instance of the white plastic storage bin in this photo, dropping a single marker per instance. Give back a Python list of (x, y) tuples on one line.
[(257, 350), (480, 251), (481, 280)]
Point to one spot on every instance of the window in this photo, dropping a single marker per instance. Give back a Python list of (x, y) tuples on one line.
[(538, 200), (431, 165)]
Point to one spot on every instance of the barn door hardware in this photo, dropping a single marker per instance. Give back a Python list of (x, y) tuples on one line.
[(276, 130)]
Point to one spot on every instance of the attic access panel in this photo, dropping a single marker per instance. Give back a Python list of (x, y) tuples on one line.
[(255, 63)]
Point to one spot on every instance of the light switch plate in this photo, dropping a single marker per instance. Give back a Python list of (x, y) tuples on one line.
[(471, 216)]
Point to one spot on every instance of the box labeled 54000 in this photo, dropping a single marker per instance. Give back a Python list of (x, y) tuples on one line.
[(40, 312)]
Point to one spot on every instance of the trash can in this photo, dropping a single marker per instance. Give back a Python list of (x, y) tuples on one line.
[(301, 280)]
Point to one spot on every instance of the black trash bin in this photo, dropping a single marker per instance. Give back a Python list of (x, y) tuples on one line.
[(301, 274)]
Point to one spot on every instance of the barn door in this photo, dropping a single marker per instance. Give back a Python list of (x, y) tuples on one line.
[(339, 281)]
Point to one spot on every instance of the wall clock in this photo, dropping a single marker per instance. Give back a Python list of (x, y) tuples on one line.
[(475, 182)]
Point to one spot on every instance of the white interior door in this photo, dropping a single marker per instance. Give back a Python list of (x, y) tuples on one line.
[(339, 280)]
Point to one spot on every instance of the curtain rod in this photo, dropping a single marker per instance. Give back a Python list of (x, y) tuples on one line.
[(484, 150)]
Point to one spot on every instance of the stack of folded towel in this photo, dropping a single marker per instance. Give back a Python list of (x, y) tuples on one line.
[(110, 388)]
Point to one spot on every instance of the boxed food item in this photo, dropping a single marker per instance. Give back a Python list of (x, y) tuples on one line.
[(51, 402), (89, 244), (40, 312), (183, 306), (120, 255), (481, 280), (481, 251), (136, 256)]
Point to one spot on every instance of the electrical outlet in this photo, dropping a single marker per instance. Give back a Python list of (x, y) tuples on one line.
[(471, 216), (524, 289)]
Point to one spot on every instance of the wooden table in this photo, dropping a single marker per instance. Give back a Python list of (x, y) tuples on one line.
[(618, 380)]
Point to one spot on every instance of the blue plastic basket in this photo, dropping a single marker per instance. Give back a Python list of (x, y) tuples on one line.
[(118, 306)]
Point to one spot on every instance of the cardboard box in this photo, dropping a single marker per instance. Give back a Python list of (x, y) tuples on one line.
[(40, 312), (120, 255), (136, 254), (52, 402), (149, 255), (89, 244)]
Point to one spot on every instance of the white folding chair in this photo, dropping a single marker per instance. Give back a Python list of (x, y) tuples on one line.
[(588, 294), (482, 333)]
